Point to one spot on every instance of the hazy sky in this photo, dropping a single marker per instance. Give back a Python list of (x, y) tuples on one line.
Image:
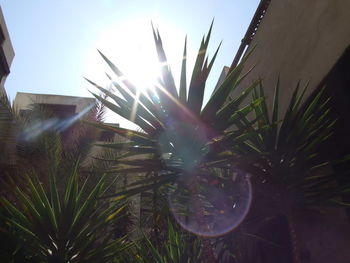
[(55, 41)]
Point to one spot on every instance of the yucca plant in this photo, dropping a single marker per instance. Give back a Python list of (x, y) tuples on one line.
[(177, 130), (175, 143), (287, 150), (68, 226), (290, 172)]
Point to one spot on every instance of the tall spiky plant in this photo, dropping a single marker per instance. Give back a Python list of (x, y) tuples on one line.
[(285, 156), (177, 130), (68, 226)]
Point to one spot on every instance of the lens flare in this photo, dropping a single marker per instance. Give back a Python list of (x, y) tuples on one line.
[(38, 127), (211, 206)]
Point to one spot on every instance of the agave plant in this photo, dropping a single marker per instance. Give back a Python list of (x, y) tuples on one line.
[(72, 226), (177, 131)]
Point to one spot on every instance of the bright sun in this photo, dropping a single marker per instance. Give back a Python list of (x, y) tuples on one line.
[(130, 46), (142, 70)]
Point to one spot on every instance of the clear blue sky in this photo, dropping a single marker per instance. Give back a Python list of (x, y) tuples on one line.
[(55, 41)]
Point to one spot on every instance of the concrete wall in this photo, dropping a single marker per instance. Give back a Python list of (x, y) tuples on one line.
[(6, 45), (6, 52), (25, 100), (300, 40)]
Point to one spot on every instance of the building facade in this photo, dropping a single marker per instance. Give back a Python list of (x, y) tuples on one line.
[(6, 52), (66, 105)]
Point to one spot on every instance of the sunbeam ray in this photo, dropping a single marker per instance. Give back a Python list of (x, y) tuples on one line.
[(53, 124)]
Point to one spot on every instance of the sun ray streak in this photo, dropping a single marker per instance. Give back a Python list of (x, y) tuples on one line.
[(53, 124), (184, 109), (134, 106)]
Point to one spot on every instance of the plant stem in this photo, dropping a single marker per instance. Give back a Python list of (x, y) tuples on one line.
[(208, 253), (293, 238)]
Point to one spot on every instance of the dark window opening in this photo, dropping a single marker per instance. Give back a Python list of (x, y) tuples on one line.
[(59, 110)]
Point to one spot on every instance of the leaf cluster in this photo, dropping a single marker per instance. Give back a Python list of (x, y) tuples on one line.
[(71, 226), (178, 134)]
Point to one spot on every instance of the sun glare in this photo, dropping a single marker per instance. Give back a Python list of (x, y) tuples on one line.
[(130, 46), (143, 71)]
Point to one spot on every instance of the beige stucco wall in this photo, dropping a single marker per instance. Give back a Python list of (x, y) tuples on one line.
[(24, 100), (300, 40)]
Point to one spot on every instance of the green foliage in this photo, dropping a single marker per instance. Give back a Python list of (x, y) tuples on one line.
[(285, 151), (34, 138), (71, 226), (67, 221), (178, 247), (178, 135)]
